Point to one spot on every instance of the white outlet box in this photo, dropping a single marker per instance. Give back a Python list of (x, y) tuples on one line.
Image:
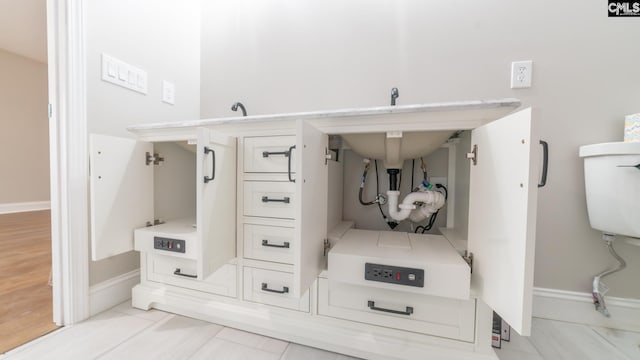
[(521, 72), (168, 92)]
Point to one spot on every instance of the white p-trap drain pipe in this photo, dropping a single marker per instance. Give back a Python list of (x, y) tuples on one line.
[(431, 202)]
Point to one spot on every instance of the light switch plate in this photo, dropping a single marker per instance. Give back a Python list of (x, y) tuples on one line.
[(122, 74), (168, 92)]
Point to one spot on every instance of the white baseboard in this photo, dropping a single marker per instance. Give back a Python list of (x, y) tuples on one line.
[(24, 207), (550, 304), (578, 307), (112, 292)]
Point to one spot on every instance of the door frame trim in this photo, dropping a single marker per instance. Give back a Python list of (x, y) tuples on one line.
[(68, 159)]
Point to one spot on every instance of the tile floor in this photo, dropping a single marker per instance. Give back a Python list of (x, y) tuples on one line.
[(556, 340), (127, 333)]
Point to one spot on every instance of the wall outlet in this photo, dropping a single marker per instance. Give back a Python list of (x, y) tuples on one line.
[(521, 72)]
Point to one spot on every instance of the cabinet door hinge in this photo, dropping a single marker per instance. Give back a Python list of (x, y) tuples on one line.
[(468, 257), (155, 222), (327, 247), (473, 155), (327, 155), (154, 159), (50, 111)]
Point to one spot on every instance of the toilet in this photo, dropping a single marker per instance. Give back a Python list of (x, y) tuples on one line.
[(612, 185)]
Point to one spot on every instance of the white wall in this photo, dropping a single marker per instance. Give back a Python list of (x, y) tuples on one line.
[(283, 56), (24, 130), (161, 37)]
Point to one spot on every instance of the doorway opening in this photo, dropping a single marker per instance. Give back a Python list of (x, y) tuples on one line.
[(26, 293)]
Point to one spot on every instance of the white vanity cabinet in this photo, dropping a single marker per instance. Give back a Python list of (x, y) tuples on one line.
[(176, 199), (493, 197), (282, 181), (277, 207)]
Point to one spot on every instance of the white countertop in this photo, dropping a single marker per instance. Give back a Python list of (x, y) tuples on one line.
[(452, 115)]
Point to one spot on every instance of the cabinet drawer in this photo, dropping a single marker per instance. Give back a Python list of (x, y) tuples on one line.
[(432, 315), (163, 269), (268, 154), (273, 288), (273, 199), (269, 243)]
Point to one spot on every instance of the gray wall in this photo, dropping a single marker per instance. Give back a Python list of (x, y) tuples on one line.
[(24, 130), (283, 56), (161, 37)]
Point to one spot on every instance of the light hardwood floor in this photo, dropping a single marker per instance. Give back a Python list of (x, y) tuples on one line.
[(127, 333), (25, 263)]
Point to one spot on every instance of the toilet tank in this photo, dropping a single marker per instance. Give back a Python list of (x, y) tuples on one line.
[(612, 185)]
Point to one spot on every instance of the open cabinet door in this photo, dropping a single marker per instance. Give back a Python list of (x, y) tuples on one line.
[(121, 192), (311, 204), (502, 216), (216, 201)]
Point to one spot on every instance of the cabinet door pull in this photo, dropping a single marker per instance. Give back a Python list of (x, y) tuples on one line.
[(372, 305), (284, 290), (213, 164), (266, 243), (637, 166), (289, 164), (286, 199), (270, 153), (179, 273), (545, 163)]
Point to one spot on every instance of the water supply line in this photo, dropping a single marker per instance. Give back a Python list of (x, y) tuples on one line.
[(380, 199), (367, 164), (599, 288)]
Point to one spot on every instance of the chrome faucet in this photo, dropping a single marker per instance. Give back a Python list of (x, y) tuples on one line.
[(394, 95), (234, 107)]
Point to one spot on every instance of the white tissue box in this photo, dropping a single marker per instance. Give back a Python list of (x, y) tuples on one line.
[(632, 128)]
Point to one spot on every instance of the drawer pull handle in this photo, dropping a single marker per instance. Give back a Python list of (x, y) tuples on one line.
[(270, 153), (372, 306), (286, 200), (284, 290), (266, 243), (179, 273), (289, 164), (213, 164)]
